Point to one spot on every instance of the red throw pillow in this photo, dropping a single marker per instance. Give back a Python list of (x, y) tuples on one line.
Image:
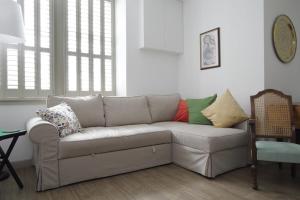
[(182, 114)]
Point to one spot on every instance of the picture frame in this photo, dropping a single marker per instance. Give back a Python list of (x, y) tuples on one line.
[(210, 55)]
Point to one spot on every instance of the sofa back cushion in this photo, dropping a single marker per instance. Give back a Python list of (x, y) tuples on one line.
[(196, 106), (89, 109), (163, 107), (126, 110)]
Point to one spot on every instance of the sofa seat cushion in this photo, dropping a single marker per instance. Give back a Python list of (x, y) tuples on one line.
[(205, 137), (97, 140)]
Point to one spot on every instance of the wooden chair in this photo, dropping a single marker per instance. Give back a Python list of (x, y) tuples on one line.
[(272, 117)]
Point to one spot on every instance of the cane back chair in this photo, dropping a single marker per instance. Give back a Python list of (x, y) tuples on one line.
[(272, 117)]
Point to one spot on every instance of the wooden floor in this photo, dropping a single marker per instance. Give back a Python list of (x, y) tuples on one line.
[(165, 182)]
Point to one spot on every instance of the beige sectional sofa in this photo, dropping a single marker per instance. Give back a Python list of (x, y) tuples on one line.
[(124, 134)]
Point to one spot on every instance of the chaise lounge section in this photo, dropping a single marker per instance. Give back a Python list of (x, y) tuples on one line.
[(207, 150), (124, 134)]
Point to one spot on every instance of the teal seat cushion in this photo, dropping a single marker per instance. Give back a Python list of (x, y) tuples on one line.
[(278, 151)]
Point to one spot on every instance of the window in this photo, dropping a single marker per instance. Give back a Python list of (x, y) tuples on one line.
[(26, 70), (90, 46), (86, 28)]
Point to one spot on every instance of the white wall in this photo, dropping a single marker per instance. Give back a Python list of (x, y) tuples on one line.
[(284, 77), (242, 49), (13, 116), (147, 71)]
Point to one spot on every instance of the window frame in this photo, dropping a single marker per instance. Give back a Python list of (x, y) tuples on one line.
[(58, 63), (22, 94), (90, 54)]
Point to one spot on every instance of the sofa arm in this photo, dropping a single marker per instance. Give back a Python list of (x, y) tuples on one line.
[(45, 137), (41, 131), (243, 125)]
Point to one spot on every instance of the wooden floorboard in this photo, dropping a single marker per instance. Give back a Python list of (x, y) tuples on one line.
[(168, 182)]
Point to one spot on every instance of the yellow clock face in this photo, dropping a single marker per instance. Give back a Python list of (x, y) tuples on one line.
[(284, 38)]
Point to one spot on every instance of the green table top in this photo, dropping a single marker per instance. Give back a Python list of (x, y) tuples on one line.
[(7, 134), (3, 132)]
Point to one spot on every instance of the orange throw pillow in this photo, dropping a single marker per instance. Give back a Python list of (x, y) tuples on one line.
[(182, 114)]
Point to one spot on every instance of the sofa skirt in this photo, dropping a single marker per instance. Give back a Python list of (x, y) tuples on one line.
[(89, 167), (210, 164)]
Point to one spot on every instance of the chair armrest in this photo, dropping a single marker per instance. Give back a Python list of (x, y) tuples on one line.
[(41, 131), (251, 121)]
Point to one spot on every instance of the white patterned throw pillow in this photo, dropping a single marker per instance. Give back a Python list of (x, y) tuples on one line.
[(63, 117)]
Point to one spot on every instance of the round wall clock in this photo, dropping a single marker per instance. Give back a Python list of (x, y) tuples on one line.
[(284, 39)]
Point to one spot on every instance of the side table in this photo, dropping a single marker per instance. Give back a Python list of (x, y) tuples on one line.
[(5, 155)]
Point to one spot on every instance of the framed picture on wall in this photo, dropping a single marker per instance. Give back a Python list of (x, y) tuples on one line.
[(210, 49)]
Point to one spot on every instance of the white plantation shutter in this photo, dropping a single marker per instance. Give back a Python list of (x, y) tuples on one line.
[(108, 27), (29, 70), (108, 75), (108, 45), (72, 73), (45, 39), (45, 71), (72, 25), (90, 47), (12, 68), (97, 27), (45, 21), (26, 70), (85, 74), (29, 20), (84, 26), (97, 74)]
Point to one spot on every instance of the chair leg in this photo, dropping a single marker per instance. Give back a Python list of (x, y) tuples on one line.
[(254, 176), (293, 170), (279, 164)]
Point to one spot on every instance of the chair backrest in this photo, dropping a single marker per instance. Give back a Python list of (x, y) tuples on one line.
[(273, 114)]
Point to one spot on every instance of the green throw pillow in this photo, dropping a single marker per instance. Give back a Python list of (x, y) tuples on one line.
[(196, 106)]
